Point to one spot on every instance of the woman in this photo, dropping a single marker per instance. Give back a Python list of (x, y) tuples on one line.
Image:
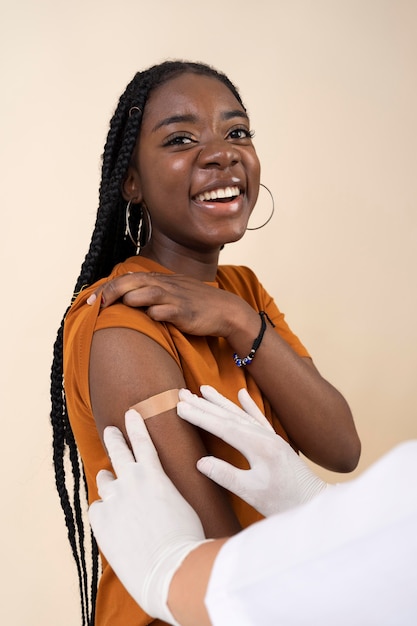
[(180, 178)]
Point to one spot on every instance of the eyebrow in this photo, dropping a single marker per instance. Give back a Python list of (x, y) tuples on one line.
[(190, 118)]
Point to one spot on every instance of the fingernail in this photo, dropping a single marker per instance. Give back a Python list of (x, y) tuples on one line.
[(91, 299)]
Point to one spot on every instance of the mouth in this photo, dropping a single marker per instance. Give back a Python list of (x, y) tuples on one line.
[(222, 194)]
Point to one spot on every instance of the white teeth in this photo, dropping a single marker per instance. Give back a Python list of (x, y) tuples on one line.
[(215, 194)]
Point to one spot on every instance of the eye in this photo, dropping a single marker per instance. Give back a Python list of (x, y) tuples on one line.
[(241, 133), (179, 139)]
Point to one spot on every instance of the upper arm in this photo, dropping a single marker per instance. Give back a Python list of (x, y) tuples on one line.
[(127, 367)]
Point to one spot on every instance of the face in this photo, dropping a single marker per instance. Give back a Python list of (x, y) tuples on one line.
[(195, 166)]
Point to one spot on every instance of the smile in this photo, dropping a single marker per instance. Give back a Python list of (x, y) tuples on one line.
[(218, 194)]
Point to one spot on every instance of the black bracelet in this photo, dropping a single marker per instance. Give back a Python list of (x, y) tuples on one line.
[(248, 359)]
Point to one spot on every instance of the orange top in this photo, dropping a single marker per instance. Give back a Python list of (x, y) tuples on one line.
[(202, 360)]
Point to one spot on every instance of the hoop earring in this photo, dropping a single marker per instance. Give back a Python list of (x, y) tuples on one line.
[(272, 212), (128, 233)]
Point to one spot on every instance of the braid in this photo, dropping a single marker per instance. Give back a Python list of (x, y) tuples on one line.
[(61, 439), (108, 247)]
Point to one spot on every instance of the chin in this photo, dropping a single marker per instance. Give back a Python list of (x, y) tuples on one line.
[(236, 236), (222, 237)]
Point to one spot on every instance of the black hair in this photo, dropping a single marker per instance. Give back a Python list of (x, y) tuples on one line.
[(108, 247)]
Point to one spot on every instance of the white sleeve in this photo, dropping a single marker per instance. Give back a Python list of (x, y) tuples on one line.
[(347, 557)]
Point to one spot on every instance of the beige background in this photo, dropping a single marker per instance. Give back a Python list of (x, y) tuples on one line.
[(331, 86)]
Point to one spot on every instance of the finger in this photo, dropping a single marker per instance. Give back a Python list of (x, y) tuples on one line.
[(93, 297), (161, 308), (249, 413), (186, 394), (117, 448), (104, 480), (221, 406), (210, 411), (252, 409), (221, 472), (140, 440), (94, 514), (233, 430), (117, 287), (147, 295), (212, 395)]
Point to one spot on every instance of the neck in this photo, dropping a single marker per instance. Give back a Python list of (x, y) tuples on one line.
[(196, 263)]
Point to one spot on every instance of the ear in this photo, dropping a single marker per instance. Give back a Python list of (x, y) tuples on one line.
[(131, 187)]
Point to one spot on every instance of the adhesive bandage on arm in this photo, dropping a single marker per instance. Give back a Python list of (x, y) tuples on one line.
[(157, 404)]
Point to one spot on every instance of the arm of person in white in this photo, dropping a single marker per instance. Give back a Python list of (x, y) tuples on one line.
[(346, 557)]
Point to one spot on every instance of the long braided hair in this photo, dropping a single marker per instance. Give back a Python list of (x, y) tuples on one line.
[(108, 247)]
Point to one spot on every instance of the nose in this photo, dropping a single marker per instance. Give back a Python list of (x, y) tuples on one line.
[(218, 153)]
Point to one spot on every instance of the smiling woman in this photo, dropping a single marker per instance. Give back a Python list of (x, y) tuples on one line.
[(196, 169), (180, 178)]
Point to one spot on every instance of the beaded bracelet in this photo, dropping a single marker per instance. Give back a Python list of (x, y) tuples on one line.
[(242, 362)]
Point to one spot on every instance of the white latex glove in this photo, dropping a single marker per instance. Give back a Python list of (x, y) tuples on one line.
[(278, 479), (142, 523)]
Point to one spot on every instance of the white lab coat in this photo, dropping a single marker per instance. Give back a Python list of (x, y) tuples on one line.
[(347, 558)]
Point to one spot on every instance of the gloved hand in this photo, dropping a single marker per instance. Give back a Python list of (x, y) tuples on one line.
[(278, 479), (142, 524)]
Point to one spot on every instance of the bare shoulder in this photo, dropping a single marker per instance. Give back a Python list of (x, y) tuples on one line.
[(126, 367)]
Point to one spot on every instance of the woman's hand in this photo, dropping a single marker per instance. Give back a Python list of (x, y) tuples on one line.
[(191, 305)]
